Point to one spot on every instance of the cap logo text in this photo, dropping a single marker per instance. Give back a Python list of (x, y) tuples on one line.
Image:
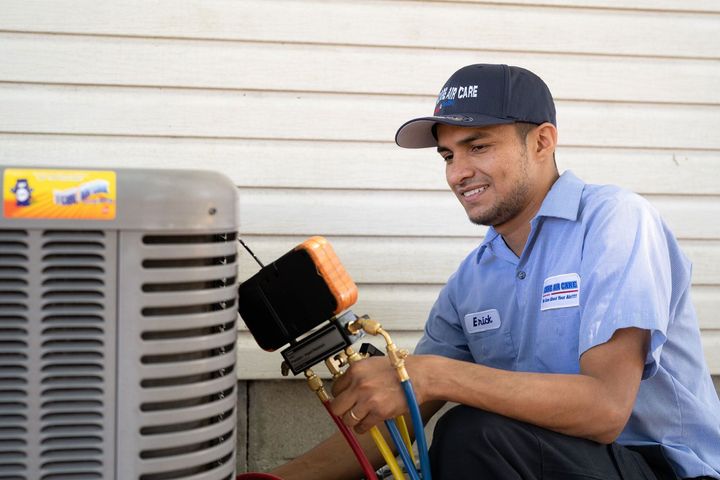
[(463, 91)]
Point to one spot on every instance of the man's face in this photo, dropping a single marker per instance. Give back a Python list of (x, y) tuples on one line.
[(487, 169)]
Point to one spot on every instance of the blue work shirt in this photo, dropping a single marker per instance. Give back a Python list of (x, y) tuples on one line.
[(598, 258)]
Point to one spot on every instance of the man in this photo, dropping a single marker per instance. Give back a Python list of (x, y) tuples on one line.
[(567, 337)]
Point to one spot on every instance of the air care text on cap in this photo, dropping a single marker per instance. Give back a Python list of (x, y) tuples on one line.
[(450, 93)]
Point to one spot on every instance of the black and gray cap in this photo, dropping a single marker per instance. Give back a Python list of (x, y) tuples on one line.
[(481, 95)]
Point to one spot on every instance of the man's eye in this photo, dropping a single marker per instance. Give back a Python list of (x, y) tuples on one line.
[(478, 148), (447, 158)]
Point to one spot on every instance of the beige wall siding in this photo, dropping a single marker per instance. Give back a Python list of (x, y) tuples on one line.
[(298, 102)]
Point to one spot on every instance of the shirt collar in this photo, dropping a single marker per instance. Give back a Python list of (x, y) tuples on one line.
[(562, 201), (490, 235)]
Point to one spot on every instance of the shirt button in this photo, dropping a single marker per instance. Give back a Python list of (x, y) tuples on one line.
[(521, 275)]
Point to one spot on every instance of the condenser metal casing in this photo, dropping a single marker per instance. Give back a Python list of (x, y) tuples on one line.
[(117, 337)]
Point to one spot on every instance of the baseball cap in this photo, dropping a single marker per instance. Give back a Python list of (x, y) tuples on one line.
[(480, 95)]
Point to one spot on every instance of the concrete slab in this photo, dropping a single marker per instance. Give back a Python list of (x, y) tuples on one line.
[(285, 419), (241, 432)]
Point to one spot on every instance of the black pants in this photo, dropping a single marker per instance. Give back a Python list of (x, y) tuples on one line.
[(471, 444)]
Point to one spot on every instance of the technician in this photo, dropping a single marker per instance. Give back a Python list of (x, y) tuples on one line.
[(567, 337)]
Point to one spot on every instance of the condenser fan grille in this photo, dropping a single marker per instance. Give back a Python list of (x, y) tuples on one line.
[(54, 365), (73, 357), (14, 343), (186, 300)]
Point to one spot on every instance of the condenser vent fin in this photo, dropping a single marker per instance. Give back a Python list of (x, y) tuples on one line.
[(188, 310), (14, 358), (73, 339)]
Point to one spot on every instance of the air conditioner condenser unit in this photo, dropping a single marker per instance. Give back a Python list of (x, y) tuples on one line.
[(118, 313)]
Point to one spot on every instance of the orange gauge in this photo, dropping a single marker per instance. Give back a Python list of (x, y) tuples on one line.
[(294, 294), (329, 267)]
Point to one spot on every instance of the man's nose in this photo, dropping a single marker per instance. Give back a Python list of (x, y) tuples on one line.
[(459, 170)]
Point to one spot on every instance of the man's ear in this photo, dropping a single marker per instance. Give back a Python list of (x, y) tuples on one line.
[(544, 141)]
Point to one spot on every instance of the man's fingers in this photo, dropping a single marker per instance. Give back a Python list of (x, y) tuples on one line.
[(340, 384), (341, 404), (354, 416), (367, 423)]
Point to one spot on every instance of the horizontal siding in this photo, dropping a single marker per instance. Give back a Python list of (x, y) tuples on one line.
[(244, 65), (653, 5), (354, 165), (358, 212), (405, 307), (315, 116), (300, 112), (257, 364), (422, 260), (504, 27)]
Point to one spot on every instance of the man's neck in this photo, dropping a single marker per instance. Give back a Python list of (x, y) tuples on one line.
[(515, 232)]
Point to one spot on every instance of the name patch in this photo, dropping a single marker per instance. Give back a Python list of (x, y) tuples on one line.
[(561, 291), (482, 321)]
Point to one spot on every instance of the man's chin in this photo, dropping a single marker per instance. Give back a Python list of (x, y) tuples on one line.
[(483, 221)]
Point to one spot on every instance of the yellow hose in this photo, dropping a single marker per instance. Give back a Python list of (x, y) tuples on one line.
[(402, 426), (387, 454)]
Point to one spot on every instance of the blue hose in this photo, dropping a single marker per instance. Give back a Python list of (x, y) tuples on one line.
[(402, 449), (419, 429)]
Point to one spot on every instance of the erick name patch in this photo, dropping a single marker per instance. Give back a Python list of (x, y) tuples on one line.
[(561, 291), (481, 321)]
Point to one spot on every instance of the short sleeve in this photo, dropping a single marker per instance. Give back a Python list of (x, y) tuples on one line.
[(626, 278), (443, 333)]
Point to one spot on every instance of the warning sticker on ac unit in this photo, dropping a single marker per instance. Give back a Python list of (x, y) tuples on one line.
[(59, 194)]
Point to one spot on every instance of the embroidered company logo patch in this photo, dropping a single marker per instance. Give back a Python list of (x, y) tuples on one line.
[(482, 321), (561, 291)]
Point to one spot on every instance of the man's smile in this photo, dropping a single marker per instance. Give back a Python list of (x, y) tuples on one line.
[(473, 193)]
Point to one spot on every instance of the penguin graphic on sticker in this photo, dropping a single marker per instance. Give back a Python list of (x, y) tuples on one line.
[(23, 192)]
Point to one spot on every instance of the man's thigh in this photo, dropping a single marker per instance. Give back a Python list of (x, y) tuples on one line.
[(473, 444)]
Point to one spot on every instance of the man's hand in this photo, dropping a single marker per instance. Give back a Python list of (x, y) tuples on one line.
[(371, 390)]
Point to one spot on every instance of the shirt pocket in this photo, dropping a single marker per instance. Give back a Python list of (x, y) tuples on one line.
[(493, 348), (556, 340)]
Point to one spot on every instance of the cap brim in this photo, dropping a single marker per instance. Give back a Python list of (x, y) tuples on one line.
[(417, 133)]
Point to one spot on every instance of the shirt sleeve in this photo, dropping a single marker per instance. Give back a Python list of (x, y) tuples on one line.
[(443, 333), (626, 278)]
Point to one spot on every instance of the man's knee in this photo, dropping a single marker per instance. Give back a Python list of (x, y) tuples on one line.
[(465, 428), (470, 440), (462, 423)]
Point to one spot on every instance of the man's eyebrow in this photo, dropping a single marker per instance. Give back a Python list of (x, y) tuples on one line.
[(469, 139)]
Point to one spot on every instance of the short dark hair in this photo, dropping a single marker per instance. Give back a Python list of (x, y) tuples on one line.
[(522, 129)]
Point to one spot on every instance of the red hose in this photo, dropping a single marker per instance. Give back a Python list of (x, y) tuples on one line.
[(352, 441), (367, 467)]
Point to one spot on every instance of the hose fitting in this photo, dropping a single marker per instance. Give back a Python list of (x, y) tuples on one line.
[(316, 385), (352, 355), (397, 359), (395, 355)]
